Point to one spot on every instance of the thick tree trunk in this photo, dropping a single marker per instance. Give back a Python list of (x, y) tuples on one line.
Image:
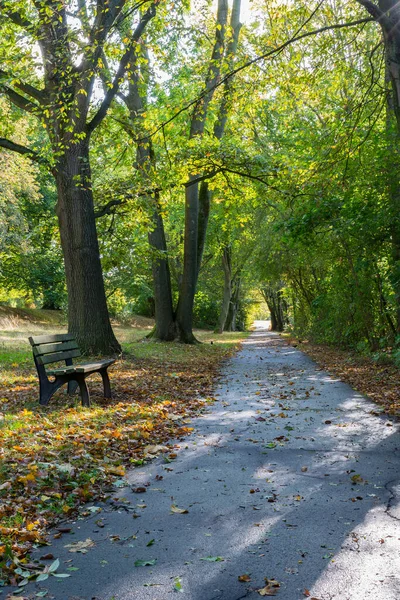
[(136, 100), (165, 326), (226, 300), (204, 212), (392, 48), (88, 318), (387, 14), (184, 312)]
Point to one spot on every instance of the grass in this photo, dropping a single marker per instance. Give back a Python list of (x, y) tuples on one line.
[(54, 459)]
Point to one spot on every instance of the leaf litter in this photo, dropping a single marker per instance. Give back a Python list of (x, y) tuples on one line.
[(56, 458)]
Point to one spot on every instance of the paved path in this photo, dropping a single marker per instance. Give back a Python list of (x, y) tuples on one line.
[(290, 476)]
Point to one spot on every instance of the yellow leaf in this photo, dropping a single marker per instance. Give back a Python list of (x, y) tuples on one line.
[(179, 511), (120, 470)]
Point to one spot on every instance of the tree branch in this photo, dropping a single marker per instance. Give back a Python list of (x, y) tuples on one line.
[(107, 208), (26, 88), (28, 152), (377, 14), (16, 18), (127, 57), (268, 54), (20, 101)]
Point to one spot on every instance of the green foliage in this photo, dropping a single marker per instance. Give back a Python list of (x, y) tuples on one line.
[(301, 181)]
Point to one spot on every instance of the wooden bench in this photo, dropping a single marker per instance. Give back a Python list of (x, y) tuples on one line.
[(48, 349)]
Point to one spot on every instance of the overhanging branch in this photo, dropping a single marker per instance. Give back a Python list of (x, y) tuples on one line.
[(107, 209), (269, 54), (26, 88), (20, 101), (24, 151), (127, 57)]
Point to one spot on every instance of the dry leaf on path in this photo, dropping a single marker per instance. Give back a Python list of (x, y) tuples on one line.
[(270, 589), (82, 546), (177, 510)]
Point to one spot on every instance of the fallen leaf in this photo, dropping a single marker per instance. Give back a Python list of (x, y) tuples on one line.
[(178, 585), (270, 589), (267, 591), (179, 511), (82, 546), (139, 490), (145, 563), (244, 578), (213, 558), (150, 543), (155, 449)]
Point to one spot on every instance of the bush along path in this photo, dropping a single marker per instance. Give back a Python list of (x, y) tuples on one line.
[(288, 487)]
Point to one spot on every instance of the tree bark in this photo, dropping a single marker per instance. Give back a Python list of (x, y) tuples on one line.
[(165, 326), (88, 318), (226, 299), (276, 305), (193, 243), (230, 324), (184, 312), (387, 14)]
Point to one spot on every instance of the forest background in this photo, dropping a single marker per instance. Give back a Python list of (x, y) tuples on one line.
[(186, 160)]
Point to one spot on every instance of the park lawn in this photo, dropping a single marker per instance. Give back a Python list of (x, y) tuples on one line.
[(54, 459)]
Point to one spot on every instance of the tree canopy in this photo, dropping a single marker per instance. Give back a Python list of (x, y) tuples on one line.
[(185, 160)]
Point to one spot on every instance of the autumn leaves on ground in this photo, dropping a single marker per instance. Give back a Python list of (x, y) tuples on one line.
[(56, 458)]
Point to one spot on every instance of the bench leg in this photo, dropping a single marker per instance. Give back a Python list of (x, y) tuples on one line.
[(47, 389), (72, 386), (84, 391), (45, 393), (106, 383)]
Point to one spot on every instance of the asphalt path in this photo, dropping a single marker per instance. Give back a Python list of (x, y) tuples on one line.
[(290, 481)]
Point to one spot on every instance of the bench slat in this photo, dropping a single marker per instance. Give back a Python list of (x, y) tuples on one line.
[(56, 356), (85, 368), (51, 348), (48, 339)]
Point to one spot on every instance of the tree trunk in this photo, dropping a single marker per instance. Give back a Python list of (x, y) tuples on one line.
[(194, 243), (165, 327), (230, 324), (226, 300), (387, 14), (88, 318), (184, 312), (204, 212), (276, 306), (392, 49)]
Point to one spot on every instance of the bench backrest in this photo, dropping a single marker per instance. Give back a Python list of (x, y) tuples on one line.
[(48, 349)]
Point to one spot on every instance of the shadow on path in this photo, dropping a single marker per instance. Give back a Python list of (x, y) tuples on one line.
[(290, 476)]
